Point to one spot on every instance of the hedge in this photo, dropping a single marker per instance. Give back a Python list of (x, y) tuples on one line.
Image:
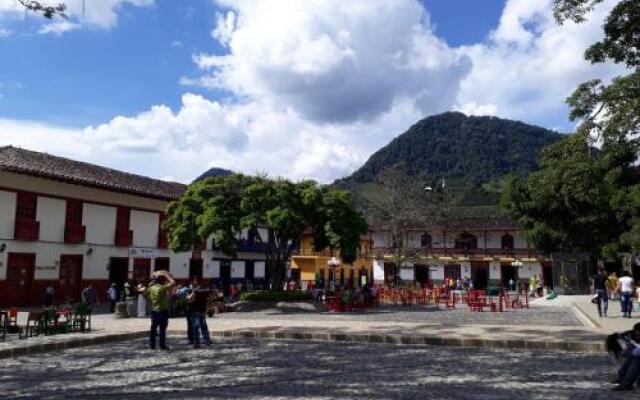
[(265, 295)]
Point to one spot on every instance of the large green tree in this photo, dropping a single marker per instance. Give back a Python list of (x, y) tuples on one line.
[(277, 211), (586, 195)]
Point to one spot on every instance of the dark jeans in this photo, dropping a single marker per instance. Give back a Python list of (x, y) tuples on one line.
[(159, 319), (188, 314), (626, 303), (199, 321), (112, 305), (603, 301), (630, 371)]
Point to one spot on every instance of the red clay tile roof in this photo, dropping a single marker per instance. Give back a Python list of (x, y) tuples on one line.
[(480, 223), (21, 161)]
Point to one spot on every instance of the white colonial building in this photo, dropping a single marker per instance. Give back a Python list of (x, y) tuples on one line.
[(489, 250), (66, 223)]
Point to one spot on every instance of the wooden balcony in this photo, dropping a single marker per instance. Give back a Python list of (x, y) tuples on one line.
[(25, 229), (75, 233), (124, 237), (163, 240)]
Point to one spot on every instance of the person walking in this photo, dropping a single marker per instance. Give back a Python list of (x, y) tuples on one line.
[(158, 294), (600, 289), (613, 283), (112, 295), (626, 289), (197, 300)]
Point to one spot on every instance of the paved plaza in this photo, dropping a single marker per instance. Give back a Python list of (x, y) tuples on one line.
[(531, 317), (255, 369)]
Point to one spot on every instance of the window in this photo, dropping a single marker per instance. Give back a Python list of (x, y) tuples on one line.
[(466, 241), (26, 207), (425, 241), (507, 242), (74, 212), (122, 218)]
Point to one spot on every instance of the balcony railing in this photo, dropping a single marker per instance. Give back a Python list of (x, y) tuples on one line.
[(124, 237), (74, 233), (163, 240), (251, 246), (25, 229), (461, 252)]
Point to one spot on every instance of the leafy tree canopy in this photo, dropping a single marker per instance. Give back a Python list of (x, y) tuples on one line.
[(225, 206), (586, 198)]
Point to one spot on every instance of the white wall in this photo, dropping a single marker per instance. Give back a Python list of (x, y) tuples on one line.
[(100, 222), (7, 214), (180, 264), (529, 269), (51, 213), (495, 270), (145, 226), (211, 270), (259, 269), (237, 269), (436, 271)]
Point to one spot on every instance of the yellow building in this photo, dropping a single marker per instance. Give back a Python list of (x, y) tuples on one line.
[(306, 263)]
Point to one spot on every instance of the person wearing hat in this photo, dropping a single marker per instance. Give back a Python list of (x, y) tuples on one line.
[(158, 295), (112, 295)]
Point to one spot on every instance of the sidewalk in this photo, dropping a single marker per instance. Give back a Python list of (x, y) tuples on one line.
[(324, 327), (613, 322)]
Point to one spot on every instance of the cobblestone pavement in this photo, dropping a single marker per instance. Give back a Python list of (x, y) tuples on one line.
[(252, 369), (535, 316)]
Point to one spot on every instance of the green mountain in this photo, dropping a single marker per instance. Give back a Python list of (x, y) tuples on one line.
[(212, 172), (471, 154)]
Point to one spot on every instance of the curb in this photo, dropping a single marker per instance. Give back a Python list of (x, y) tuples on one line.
[(585, 318), (75, 342), (582, 347), (329, 336)]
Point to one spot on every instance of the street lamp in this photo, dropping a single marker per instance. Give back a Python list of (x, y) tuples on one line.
[(333, 263)]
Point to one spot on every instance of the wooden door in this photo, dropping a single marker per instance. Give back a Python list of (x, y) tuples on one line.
[(70, 277), (141, 269), (20, 273)]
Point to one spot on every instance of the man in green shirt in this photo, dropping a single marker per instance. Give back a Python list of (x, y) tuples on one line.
[(158, 294)]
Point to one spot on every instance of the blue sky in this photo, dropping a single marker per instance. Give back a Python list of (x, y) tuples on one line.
[(138, 81), (86, 77)]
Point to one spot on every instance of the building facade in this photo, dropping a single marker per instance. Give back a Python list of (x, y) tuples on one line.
[(490, 251), (66, 224), (307, 264)]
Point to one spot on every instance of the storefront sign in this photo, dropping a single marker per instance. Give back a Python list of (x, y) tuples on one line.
[(142, 252)]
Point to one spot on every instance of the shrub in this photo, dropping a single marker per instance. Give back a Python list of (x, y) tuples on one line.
[(264, 295)]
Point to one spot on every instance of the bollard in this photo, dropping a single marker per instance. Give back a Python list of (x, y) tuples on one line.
[(121, 310)]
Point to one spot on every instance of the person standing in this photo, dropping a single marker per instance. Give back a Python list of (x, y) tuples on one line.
[(112, 295), (48, 296), (142, 302), (182, 294), (197, 301), (600, 289), (626, 289), (89, 296), (158, 294)]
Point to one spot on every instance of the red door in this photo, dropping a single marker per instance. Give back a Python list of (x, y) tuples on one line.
[(20, 273), (141, 269), (70, 277)]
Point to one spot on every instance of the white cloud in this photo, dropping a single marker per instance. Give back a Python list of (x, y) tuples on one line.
[(4, 32), (317, 86), (58, 28), (531, 65), (333, 61)]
